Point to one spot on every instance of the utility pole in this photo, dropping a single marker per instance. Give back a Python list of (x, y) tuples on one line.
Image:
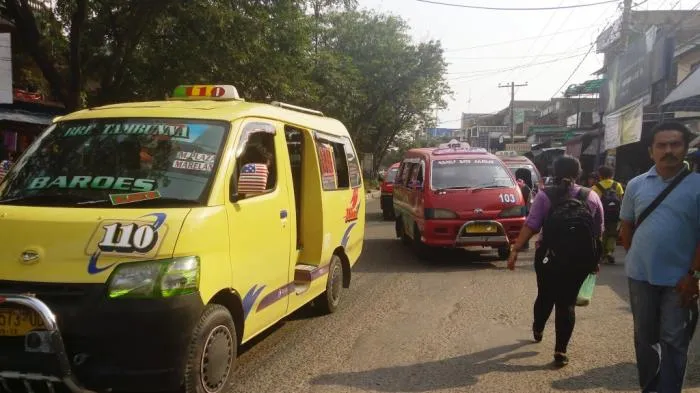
[(626, 24), (512, 86)]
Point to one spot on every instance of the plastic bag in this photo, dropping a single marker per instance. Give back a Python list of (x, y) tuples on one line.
[(586, 292)]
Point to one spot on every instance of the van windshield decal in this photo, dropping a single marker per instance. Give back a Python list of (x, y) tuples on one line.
[(101, 162), (469, 173), (181, 131)]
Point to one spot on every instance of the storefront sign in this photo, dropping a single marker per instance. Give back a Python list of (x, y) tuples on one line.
[(624, 126)]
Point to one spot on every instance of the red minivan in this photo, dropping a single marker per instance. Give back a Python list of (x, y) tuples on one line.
[(387, 188), (456, 196)]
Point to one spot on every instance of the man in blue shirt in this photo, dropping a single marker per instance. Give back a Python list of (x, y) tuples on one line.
[(663, 261)]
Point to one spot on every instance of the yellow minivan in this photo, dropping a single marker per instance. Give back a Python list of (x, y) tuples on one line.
[(142, 243)]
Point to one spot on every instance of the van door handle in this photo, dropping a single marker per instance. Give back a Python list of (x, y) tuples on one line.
[(283, 214)]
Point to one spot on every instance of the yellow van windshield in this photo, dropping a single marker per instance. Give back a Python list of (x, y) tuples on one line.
[(118, 163)]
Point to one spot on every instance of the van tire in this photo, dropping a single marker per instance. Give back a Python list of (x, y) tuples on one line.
[(388, 214), (422, 250), (401, 232), (504, 252), (214, 336), (328, 301)]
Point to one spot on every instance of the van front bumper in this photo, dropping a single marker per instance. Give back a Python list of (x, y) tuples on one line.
[(452, 233), (98, 344)]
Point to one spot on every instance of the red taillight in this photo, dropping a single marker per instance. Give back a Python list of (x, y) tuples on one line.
[(2, 299)]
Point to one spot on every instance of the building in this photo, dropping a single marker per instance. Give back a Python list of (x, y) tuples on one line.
[(644, 62)]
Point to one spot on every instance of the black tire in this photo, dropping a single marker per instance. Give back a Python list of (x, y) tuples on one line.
[(503, 252), (422, 250), (388, 214), (212, 352), (328, 301), (401, 232)]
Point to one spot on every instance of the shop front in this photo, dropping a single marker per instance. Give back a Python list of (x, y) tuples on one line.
[(23, 120)]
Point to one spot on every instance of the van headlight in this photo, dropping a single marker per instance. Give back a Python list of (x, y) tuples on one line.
[(152, 279), (439, 214), (513, 211)]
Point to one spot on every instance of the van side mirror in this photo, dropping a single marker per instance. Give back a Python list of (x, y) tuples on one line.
[(252, 181)]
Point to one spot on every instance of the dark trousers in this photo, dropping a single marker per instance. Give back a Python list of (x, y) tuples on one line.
[(557, 286)]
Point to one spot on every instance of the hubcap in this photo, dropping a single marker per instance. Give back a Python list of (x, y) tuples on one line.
[(336, 283), (216, 359)]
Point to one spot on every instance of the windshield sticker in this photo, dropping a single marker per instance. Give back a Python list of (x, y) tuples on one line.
[(194, 161), (453, 162), (94, 183), (325, 153), (180, 131), (139, 238), (121, 199)]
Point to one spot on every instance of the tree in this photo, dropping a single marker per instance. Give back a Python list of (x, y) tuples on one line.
[(375, 79)]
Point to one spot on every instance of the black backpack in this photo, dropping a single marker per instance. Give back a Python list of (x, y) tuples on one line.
[(611, 202), (568, 231)]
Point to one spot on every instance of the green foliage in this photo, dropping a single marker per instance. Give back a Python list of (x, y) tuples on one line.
[(361, 67)]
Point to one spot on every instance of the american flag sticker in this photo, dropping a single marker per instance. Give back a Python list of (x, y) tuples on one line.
[(4, 168), (253, 179)]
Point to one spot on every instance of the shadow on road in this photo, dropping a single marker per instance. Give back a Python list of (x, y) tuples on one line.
[(436, 375), (618, 377), (392, 256)]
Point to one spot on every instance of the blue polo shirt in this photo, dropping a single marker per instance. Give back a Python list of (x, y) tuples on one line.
[(663, 246)]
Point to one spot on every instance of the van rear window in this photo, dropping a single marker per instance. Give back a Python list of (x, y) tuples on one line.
[(469, 173)]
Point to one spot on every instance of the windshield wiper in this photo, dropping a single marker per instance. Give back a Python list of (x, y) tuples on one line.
[(163, 201), (490, 185), (451, 188), (57, 199)]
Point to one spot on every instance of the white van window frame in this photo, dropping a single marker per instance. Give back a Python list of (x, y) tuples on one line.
[(333, 140), (249, 129)]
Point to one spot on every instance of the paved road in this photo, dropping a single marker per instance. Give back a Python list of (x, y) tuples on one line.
[(457, 324)]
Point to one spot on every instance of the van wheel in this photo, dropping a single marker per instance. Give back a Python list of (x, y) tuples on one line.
[(422, 250), (401, 232), (503, 252), (387, 214), (328, 301), (212, 352)]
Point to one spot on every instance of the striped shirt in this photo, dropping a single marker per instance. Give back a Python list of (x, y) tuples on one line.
[(253, 179)]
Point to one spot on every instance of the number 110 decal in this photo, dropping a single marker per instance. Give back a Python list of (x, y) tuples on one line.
[(128, 238), (507, 198), (138, 238)]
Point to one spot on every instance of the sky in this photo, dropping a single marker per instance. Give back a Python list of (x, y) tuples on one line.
[(485, 48)]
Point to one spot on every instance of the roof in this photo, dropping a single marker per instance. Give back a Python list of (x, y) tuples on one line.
[(228, 110), (434, 153)]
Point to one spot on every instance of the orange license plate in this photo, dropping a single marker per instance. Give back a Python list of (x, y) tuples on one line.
[(19, 322), (481, 228)]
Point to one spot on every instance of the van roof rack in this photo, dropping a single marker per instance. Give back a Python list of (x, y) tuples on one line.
[(296, 108)]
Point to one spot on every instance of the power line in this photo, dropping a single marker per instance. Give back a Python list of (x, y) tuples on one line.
[(517, 57), (499, 70), (520, 39), (476, 7), (575, 69)]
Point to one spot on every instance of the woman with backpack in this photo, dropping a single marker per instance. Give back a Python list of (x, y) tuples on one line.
[(570, 218)]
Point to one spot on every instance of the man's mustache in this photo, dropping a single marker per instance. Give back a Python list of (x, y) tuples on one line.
[(669, 157)]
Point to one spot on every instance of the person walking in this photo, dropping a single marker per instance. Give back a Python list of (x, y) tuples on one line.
[(611, 194), (661, 232), (524, 179), (571, 220)]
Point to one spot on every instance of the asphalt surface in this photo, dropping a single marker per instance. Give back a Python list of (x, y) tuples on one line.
[(458, 323)]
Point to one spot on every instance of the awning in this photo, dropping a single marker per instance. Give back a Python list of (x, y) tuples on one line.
[(686, 96), (21, 116)]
